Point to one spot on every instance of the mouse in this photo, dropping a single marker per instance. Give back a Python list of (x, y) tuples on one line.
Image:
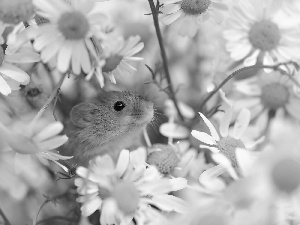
[(112, 121)]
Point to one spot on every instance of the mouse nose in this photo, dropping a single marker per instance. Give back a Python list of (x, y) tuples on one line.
[(144, 110)]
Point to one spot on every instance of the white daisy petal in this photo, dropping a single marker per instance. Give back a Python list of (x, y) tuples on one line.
[(64, 57), (53, 143), (241, 123), (204, 137), (108, 212), (4, 87), (50, 131), (209, 178), (122, 163), (167, 20), (211, 127), (169, 203), (89, 207), (174, 130), (14, 73)]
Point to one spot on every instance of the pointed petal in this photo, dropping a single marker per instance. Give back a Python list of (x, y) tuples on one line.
[(50, 131), (53, 143), (15, 73), (122, 163), (204, 137), (211, 127), (169, 203), (89, 207)]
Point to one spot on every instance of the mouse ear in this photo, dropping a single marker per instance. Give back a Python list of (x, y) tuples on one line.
[(79, 114)]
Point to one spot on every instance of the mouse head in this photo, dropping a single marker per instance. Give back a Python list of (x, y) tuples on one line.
[(110, 115)]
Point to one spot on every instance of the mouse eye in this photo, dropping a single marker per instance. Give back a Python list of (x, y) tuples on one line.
[(119, 105)]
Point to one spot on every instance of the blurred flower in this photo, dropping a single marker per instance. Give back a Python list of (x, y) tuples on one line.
[(124, 191), (16, 11), (67, 37), (255, 34), (276, 178), (28, 142), (269, 93), (32, 177), (188, 14), (119, 54)]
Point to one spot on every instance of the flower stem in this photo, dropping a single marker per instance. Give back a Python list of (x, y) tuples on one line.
[(239, 71), (155, 12), (6, 221), (49, 100)]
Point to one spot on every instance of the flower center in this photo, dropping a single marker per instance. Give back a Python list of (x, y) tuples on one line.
[(264, 35), (73, 25), (274, 95), (165, 159), (195, 7), (127, 197), (1, 55), (286, 175), (227, 146), (40, 20), (111, 63)]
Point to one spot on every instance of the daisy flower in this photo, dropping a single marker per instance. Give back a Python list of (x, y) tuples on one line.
[(119, 53), (188, 14), (230, 142), (255, 34), (269, 93), (38, 142), (124, 191), (68, 36), (276, 173)]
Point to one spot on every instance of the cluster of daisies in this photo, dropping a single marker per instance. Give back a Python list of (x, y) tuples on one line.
[(232, 159), (70, 36)]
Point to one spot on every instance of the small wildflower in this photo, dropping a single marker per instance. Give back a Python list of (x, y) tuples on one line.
[(16, 11), (229, 143), (119, 55)]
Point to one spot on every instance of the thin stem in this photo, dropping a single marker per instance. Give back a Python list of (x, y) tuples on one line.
[(155, 11), (237, 72), (6, 221), (49, 100)]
